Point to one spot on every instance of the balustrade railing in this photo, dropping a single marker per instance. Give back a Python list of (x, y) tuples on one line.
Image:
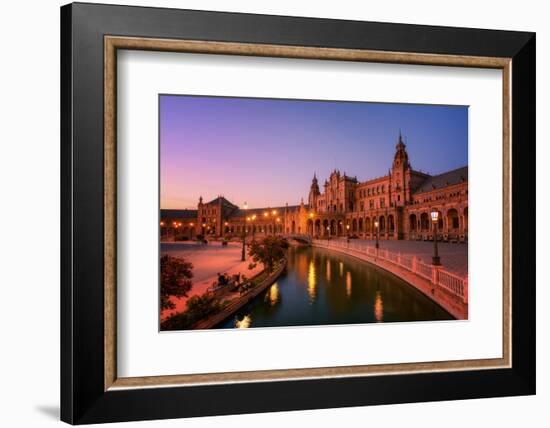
[(435, 274)]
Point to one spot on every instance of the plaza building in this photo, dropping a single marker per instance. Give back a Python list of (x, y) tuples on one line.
[(394, 206)]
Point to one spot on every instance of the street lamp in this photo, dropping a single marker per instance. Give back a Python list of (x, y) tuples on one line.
[(274, 213), (244, 234), (252, 218), (347, 232), (377, 230), (436, 261), (328, 231)]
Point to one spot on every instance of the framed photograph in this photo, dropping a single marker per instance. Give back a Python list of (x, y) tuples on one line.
[(266, 213)]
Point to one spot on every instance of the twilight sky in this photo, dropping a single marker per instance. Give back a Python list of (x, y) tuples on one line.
[(265, 151)]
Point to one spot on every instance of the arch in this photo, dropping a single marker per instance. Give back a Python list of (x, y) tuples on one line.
[(333, 227), (424, 221), (360, 224), (354, 225), (453, 222), (391, 223), (382, 224), (440, 221), (293, 227), (325, 227), (317, 227), (412, 222), (309, 227)]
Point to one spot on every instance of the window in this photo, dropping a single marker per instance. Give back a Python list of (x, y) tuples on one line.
[(382, 202), (398, 198)]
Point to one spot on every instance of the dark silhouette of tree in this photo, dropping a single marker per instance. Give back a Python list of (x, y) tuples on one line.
[(175, 279), (198, 308), (268, 251), (202, 306)]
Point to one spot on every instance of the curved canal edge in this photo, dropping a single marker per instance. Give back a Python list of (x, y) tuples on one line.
[(455, 305), (238, 303)]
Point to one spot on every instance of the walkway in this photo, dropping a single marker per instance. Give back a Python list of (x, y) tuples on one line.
[(448, 289), (208, 260), (454, 257)]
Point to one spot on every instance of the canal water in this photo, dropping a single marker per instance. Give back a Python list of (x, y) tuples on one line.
[(324, 287)]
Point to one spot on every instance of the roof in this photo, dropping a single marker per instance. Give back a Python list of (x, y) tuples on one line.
[(449, 178), (223, 201), (178, 213)]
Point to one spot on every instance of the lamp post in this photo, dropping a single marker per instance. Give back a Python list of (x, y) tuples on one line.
[(436, 261), (347, 233), (274, 214), (252, 218), (278, 221), (244, 234), (377, 230), (328, 230)]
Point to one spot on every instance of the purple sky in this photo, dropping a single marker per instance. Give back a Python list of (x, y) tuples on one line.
[(265, 151)]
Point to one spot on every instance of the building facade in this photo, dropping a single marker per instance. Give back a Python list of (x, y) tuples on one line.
[(394, 206)]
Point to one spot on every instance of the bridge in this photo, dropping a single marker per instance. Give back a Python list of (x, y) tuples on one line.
[(300, 238)]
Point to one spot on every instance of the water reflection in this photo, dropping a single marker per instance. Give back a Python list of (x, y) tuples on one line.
[(378, 307), (272, 295), (311, 283), (244, 323), (312, 293)]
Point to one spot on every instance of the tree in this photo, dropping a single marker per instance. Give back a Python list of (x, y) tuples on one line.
[(175, 279), (198, 308), (201, 307), (268, 251)]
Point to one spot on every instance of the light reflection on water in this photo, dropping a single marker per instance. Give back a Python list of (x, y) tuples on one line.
[(309, 294), (244, 323), (311, 283), (378, 307), (348, 283), (272, 296)]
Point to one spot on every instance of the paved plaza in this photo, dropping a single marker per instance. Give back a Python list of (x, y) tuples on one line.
[(454, 257), (208, 260)]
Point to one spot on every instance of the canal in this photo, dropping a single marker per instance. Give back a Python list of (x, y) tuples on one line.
[(324, 287)]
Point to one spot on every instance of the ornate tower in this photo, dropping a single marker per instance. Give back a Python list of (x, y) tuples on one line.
[(400, 174), (313, 193)]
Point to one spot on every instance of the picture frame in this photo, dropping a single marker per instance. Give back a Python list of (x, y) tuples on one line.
[(91, 391)]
